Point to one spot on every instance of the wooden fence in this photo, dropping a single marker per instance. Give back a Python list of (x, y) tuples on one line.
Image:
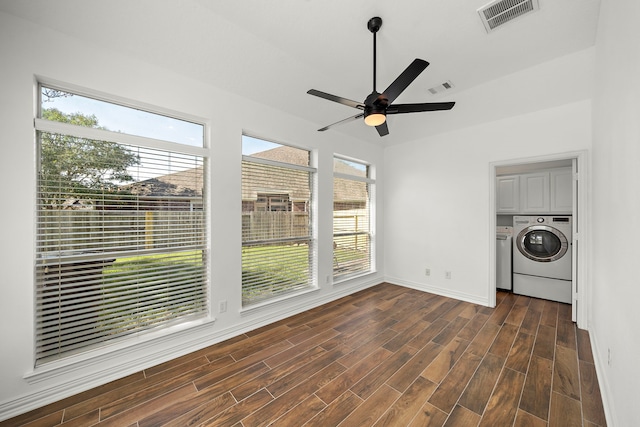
[(94, 230), (258, 226)]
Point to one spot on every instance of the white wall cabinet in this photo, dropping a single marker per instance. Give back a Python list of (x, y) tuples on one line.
[(561, 194), (508, 194), (535, 193)]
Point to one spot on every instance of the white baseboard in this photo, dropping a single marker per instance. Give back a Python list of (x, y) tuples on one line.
[(474, 299), (603, 383)]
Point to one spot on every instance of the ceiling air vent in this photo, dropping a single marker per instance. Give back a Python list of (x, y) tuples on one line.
[(500, 12), (441, 87)]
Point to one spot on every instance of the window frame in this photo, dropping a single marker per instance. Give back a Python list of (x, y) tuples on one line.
[(311, 238), (42, 125), (370, 180)]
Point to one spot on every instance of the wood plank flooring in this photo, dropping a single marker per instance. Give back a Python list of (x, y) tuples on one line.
[(386, 356)]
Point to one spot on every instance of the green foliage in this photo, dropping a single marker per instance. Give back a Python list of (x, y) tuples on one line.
[(71, 166)]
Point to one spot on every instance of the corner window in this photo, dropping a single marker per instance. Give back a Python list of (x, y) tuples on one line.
[(121, 243), (277, 240), (352, 234)]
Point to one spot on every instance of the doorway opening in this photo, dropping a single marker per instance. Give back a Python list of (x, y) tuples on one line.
[(566, 171)]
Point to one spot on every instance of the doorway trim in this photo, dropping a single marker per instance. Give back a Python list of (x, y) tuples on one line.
[(580, 212)]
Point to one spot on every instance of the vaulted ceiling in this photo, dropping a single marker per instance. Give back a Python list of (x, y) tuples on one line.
[(274, 51)]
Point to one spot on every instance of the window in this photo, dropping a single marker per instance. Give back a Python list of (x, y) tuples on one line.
[(352, 237), (277, 243), (121, 242)]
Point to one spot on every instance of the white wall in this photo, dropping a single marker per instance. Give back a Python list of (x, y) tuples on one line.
[(615, 317), (437, 212), (28, 51)]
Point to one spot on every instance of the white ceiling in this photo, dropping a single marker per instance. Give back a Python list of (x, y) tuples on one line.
[(274, 51)]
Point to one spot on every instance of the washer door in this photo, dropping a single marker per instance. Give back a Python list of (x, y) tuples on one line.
[(542, 243)]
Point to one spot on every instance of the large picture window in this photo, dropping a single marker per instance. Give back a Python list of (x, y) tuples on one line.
[(352, 234), (277, 239), (121, 242)]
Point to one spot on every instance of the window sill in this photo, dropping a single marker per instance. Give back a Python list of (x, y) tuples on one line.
[(277, 301), (349, 277), (145, 349)]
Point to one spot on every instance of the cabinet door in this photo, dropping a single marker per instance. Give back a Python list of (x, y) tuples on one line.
[(561, 191), (534, 192), (507, 194)]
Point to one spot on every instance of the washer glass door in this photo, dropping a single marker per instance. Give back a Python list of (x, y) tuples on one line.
[(542, 243)]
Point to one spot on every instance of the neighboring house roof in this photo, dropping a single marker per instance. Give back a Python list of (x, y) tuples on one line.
[(258, 179), (344, 167), (189, 183), (73, 203), (345, 190), (285, 154)]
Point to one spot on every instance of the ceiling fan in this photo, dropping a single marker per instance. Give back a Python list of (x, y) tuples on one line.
[(377, 105)]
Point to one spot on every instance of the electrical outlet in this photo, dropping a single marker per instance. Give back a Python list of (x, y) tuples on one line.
[(222, 307), (427, 272), (609, 356), (447, 275)]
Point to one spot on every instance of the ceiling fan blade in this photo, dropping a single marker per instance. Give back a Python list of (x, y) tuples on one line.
[(383, 129), (338, 99), (348, 119), (417, 108), (404, 80)]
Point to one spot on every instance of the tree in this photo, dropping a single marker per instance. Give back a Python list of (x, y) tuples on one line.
[(72, 167)]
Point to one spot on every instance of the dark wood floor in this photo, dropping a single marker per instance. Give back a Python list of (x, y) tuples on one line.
[(386, 356)]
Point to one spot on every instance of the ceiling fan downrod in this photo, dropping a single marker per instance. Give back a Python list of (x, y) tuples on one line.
[(374, 25)]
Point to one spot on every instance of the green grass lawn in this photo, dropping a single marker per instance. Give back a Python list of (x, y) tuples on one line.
[(267, 270), (148, 289), (271, 270)]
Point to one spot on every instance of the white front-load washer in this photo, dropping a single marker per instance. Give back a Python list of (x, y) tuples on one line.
[(542, 257)]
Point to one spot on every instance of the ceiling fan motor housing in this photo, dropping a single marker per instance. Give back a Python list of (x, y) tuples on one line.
[(375, 103), (376, 99)]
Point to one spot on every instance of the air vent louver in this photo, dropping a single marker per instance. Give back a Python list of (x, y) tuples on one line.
[(500, 12), (441, 87)]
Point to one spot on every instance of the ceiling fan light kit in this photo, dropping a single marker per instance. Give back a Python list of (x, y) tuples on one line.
[(377, 106), (375, 118)]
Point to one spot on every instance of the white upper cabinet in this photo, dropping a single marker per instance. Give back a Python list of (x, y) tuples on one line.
[(507, 194), (561, 196), (550, 191), (534, 192)]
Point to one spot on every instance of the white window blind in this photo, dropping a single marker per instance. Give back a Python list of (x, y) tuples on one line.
[(277, 243), (121, 242), (352, 241)]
